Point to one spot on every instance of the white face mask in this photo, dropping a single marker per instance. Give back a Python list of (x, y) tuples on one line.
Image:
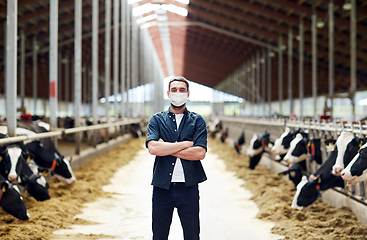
[(177, 99)]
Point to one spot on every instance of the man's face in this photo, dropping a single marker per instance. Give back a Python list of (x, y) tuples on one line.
[(178, 87)]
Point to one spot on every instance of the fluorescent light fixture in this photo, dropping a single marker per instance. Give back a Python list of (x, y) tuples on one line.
[(146, 8), (175, 9), (183, 1), (133, 1), (146, 19), (347, 6), (320, 24)]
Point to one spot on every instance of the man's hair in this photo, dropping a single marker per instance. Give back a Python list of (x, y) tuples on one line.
[(179, 79)]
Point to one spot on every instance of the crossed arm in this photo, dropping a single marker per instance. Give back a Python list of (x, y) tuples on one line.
[(183, 150)]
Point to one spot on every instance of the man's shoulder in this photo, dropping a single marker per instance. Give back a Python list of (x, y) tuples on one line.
[(159, 114)]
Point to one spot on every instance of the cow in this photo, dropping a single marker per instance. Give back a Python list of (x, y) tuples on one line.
[(308, 190), (302, 148), (11, 201), (238, 144), (34, 183), (224, 135), (324, 178), (355, 171), (295, 172), (347, 145), (282, 144), (215, 127), (44, 152), (258, 145), (51, 161), (136, 131)]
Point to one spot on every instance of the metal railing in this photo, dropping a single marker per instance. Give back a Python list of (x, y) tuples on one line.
[(62, 132)]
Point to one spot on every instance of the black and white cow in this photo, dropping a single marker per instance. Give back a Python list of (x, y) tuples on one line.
[(35, 184), (215, 127), (282, 144), (303, 148), (258, 145), (11, 201), (308, 190), (347, 146), (44, 152), (14, 166), (324, 178), (356, 170), (295, 172), (238, 144), (51, 161)]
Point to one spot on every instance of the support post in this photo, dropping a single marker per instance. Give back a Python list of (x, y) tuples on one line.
[(77, 69), (11, 66), (314, 62), (95, 16)]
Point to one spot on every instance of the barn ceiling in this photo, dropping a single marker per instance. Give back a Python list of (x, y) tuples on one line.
[(213, 40)]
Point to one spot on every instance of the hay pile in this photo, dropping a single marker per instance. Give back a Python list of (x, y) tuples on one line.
[(274, 197)]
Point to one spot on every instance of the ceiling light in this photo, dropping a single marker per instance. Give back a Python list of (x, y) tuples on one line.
[(320, 24), (146, 19), (347, 6), (175, 9), (183, 1), (146, 8)]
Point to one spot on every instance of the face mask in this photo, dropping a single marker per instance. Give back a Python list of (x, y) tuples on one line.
[(177, 99)]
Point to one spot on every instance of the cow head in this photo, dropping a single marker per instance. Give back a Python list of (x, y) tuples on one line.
[(53, 162), (11, 201), (347, 147), (356, 171), (282, 144), (10, 162), (258, 144), (295, 173), (298, 149), (63, 171), (35, 184), (307, 193)]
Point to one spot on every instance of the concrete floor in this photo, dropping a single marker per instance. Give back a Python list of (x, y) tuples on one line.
[(225, 209)]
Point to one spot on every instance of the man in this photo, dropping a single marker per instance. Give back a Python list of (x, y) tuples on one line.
[(178, 138)]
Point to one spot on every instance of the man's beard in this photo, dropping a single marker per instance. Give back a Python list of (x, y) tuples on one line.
[(179, 107)]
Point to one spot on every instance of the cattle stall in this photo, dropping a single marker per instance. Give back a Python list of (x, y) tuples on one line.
[(352, 196)]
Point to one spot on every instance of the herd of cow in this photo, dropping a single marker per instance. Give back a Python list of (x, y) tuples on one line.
[(346, 161), (24, 165)]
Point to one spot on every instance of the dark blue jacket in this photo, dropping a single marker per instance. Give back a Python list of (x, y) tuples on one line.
[(192, 128)]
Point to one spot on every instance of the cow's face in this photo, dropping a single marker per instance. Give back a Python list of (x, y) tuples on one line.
[(12, 202), (255, 146), (356, 171), (298, 150), (306, 194), (11, 163), (344, 147), (63, 171), (281, 144)]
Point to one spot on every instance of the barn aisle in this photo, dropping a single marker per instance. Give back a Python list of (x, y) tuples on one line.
[(226, 212)]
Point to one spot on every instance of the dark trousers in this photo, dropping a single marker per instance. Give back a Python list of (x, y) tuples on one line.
[(186, 200)]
